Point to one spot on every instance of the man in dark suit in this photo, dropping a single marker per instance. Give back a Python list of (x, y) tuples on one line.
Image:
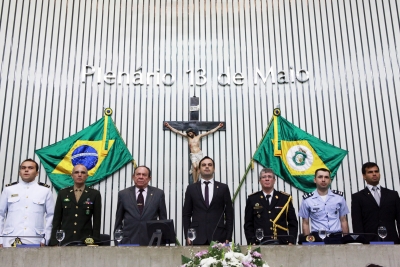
[(375, 206), (76, 207), (208, 208), (269, 205), (137, 205)]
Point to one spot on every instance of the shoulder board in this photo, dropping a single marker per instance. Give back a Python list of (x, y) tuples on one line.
[(90, 188), (43, 184), (307, 195), (64, 188), (285, 193), (340, 193), (254, 193), (11, 184)]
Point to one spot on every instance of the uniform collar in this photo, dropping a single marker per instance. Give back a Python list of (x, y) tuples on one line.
[(271, 194), (330, 193), (28, 184)]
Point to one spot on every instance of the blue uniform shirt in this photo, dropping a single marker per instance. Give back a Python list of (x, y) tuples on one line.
[(324, 214)]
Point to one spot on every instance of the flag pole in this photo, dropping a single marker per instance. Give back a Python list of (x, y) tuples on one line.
[(276, 113)]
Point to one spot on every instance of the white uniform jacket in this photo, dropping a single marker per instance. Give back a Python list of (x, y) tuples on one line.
[(26, 209)]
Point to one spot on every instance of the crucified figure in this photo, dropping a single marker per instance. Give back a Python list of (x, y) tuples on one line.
[(194, 145)]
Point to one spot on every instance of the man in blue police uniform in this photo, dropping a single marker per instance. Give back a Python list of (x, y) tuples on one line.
[(267, 206), (77, 211), (326, 208), (26, 209)]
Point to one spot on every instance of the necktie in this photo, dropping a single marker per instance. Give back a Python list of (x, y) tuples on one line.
[(206, 195), (376, 195), (78, 194), (268, 196), (140, 200)]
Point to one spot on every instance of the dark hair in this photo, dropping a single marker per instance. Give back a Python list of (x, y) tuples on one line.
[(267, 170), (368, 165), (190, 130), (31, 160), (206, 157), (322, 169), (148, 169)]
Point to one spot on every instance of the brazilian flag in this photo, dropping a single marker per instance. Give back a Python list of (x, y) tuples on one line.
[(99, 147), (295, 155)]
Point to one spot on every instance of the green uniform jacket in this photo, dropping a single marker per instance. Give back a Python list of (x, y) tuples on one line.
[(76, 218)]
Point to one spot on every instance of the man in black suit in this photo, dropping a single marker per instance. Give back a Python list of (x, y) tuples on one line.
[(78, 210), (375, 206), (265, 206), (137, 205), (208, 208)]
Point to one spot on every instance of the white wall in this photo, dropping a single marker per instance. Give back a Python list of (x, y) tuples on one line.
[(348, 48)]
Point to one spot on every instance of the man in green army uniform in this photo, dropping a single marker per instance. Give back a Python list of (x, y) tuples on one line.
[(75, 208)]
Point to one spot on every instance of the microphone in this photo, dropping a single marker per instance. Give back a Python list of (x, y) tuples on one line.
[(220, 217)]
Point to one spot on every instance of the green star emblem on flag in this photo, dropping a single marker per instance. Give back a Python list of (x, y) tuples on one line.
[(99, 147), (295, 155)]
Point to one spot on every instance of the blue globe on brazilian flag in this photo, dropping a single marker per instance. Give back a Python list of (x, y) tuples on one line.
[(295, 155), (99, 147)]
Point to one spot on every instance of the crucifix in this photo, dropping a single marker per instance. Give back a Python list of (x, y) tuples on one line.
[(192, 128)]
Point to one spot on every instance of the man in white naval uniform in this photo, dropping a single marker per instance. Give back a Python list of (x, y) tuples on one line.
[(26, 208)]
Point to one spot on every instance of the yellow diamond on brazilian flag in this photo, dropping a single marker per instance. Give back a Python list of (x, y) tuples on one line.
[(99, 147), (295, 155)]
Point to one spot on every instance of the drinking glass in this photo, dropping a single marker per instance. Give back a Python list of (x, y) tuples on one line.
[(260, 234), (118, 235), (382, 232), (191, 235), (322, 233), (60, 234)]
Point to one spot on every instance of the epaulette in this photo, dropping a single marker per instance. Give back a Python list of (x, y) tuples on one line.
[(43, 184), (63, 188), (307, 195), (285, 193), (253, 193), (91, 188), (7, 185), (340, 193)]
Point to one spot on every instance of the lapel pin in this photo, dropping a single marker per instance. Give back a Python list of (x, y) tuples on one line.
[(276, 197), (261, 196)]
